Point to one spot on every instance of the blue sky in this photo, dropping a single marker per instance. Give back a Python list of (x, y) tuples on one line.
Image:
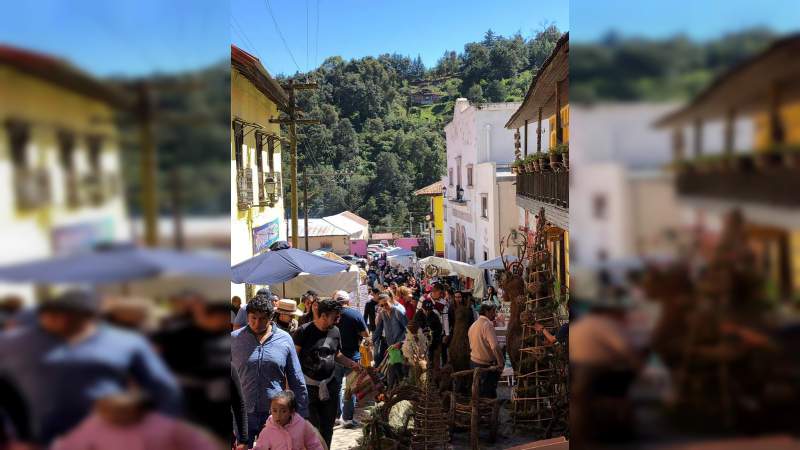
[(357, 28), (699, 19), (130, 37)]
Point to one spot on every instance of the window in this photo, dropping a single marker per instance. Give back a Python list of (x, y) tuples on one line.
[(238, 141), (66, 153), (452, 237), (94, 179), (271, 154), (450, 176), (458, 171), (260, 165), (469, 175), (485, 206), (599, 206), (472, 249)]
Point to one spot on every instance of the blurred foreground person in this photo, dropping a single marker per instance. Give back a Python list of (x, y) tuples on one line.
[(199, 354), (127, 421), (69, 359), (265, 359), (603, 364), (15, 426)]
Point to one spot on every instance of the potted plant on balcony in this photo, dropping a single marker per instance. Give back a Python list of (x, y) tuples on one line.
[(516, 165), (555, 156), (529, 164), (766, 159), (791, 155), (544, 161)]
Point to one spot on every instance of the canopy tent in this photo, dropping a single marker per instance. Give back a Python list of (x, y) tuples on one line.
[(278, 266), (405, 261), (399, 251), (324, 285), (458, 268), (497, 263), (332, 256), (116, 264)]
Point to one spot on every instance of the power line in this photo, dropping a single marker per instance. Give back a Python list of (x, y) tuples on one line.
[(316, 44), (278, 29), (246, 39), (307, 41)]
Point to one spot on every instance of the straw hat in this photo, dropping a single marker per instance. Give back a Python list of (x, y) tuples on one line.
[(286, 306)]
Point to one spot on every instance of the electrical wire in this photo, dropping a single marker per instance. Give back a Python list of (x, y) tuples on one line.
[(278, 29)]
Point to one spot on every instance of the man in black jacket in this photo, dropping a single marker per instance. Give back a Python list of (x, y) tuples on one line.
[(428, 321)]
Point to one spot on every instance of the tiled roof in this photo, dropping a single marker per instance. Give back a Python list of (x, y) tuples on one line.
[(433, 189)]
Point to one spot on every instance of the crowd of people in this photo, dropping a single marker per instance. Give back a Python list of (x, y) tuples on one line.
[(82, 370), (293, 360)]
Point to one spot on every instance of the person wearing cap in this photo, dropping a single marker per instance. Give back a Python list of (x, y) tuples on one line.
[(485, 352), (265, 359), (69, 359), (286, 315), (428, 321), (352, 329), (441, 305), (319, 344)]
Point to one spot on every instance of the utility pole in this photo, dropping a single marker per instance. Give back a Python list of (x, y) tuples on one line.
[(292, 121), (305, 206), (305, 194), (144, 112)]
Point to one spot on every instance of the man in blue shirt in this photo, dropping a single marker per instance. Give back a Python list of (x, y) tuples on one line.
[(69, 359), (391, 323), (352, 329), (264, 357)]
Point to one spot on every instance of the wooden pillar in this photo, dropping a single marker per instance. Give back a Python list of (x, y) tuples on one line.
[(559, 131), (698, 137), (539, 131), (678, 145), (526, 137), (776, 131), (730, 120)]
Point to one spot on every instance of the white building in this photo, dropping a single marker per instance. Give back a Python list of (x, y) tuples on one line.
[(479, 185), (625, 203)]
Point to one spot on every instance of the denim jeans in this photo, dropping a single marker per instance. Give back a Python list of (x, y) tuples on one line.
[(346, 408), (255, 421), (488, 381)]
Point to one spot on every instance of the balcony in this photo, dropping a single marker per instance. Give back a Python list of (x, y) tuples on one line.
[(776, 187), (547, 187)]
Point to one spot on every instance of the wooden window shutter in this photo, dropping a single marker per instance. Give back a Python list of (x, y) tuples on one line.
[(260, 166)]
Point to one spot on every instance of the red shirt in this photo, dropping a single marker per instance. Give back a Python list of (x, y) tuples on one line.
[(410, 307)]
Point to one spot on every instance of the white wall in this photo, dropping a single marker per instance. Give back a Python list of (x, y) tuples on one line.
[(478, 137)]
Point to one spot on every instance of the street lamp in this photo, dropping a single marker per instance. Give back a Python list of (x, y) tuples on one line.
[(271, 188)]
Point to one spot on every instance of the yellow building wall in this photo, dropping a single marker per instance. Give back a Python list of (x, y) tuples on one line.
[(250, 105), (564, 126), (794, 255), (438, 223), (790, 115), (48, 109)]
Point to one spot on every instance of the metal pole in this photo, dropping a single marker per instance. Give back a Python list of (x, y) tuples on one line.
[(305, 207)]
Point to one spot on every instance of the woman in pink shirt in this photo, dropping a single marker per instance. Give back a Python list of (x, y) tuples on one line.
[(286, 429)]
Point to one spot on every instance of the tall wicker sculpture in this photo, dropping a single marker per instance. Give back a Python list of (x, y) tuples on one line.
[(540, 397)]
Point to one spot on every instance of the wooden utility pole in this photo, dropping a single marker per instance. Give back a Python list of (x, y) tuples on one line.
[(305, 207), (292, 121), (144, 112)]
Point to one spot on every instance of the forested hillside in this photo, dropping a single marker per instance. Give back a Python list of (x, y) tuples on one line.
[(629, 68), (375, 146)]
